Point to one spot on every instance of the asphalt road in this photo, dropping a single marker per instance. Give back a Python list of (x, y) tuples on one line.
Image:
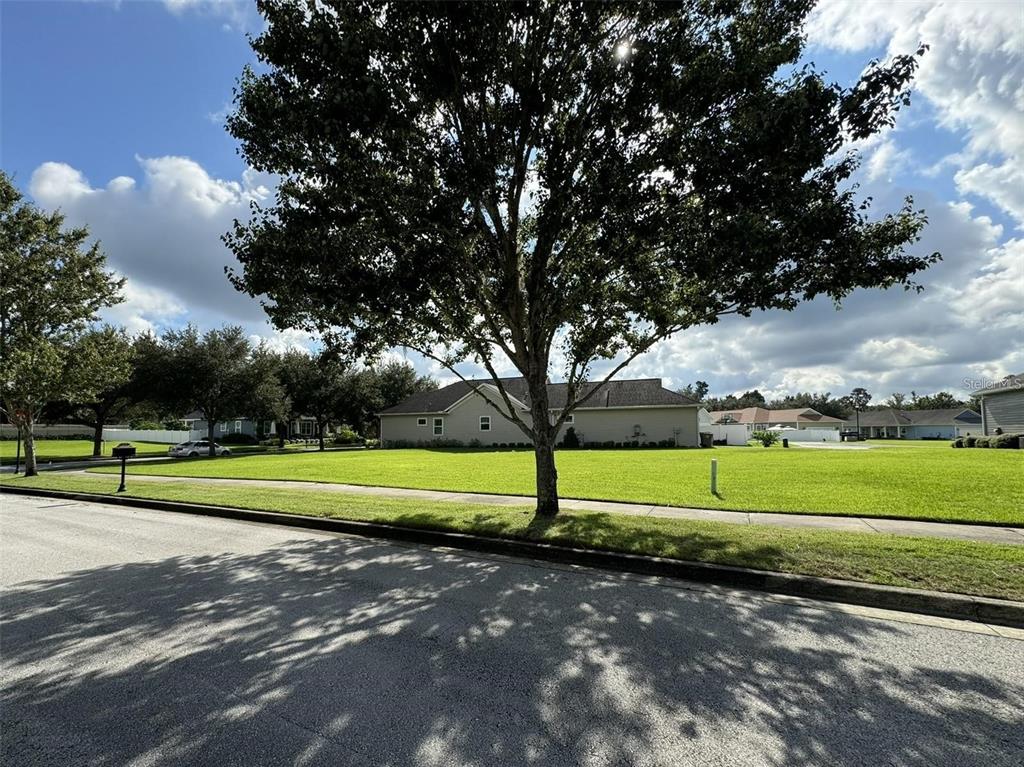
[(133, 637)]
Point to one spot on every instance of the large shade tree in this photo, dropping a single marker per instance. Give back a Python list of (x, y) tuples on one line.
[(554, 181), (52, 286)]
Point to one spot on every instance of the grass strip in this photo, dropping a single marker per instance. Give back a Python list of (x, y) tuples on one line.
[(968, 486), (964, 567)]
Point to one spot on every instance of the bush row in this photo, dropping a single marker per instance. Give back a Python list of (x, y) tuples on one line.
[(608, 445), (1004, 441)]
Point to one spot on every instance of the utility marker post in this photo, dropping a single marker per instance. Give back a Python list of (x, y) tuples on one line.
[(714, 476)]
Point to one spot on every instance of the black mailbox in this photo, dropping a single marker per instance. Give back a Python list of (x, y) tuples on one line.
[(124, 450)]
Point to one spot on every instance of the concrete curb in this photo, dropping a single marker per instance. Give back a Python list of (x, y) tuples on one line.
[(943, 604)]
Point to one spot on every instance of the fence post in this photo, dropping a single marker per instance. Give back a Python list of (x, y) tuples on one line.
[(714, 476)]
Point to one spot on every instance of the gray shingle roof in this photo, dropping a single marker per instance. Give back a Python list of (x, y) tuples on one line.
[(1010, 383), (893, 417), (643, 392)]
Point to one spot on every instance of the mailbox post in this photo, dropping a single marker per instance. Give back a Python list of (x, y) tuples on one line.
[(123, 451)]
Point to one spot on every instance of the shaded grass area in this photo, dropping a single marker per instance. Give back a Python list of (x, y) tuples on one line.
[(72, 450), (943, 485), (958, 566)]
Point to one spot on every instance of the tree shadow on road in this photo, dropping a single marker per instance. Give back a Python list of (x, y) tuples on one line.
[(345, 651)]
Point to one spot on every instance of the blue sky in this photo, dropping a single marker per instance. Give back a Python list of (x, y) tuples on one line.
[(111, 112)]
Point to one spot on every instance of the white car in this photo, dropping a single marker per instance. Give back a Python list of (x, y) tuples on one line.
[(195, 449)]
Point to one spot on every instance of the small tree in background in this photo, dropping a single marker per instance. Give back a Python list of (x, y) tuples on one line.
[(858, 399), (51, 287), (766, 438), (529, 181)]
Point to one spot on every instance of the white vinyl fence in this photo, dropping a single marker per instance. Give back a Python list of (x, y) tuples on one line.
[(166, 436), (810, 435), (732, 433)]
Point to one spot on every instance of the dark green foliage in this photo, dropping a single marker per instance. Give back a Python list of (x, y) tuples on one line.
[(571, 439), (766, 438), (237, 439), (1005, 441), (475, 179), (52, 286)]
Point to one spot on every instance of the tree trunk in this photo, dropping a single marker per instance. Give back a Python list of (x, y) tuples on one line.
[(209, 437), (544, 450), (320, 433), (282, 427), (30, 448), (97, 437)]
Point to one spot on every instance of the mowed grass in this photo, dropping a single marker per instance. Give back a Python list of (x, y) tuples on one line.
[(948, 485), (72, 449), (958, 566)]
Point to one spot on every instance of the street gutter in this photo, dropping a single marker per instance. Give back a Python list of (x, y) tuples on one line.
[(943, 604)]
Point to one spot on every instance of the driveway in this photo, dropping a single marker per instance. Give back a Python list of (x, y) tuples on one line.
[(150, 638)]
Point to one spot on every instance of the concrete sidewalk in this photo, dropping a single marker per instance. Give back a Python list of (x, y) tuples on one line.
[(984, 533)]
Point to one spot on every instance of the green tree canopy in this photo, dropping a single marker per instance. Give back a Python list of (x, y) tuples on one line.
[(531, 180), (210, 372), (52, 286)]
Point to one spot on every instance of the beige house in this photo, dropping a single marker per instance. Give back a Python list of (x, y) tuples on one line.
[(1002, 406), (466, 412), (761, 419)]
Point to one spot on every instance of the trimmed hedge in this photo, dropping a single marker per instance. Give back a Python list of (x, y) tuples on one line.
[(1001, 441)]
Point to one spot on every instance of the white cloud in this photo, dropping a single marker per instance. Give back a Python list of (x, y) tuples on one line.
[(973, 76), (237, 14), (886, 161), (144, 309), (163, 233), (1003, 184), (290, 339), (908, 352)]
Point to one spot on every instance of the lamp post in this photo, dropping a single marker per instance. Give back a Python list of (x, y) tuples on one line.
[(124, 451)]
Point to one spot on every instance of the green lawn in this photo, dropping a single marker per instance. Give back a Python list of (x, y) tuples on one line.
[(932, 484), (77, 449), (71, 449), (964, 567)]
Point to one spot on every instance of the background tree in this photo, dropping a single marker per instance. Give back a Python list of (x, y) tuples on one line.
[(51, 287), (696, 391), (211, 373), (857, 400), (383, 386), (478, 181), (896, 400), (320, 386), (942, 400), (752, 398), (106, 356), (270, 402), (824, 403)]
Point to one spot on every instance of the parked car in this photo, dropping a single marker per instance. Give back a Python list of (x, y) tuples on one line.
[(196, 449)]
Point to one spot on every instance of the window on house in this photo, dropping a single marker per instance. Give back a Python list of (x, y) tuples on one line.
[(570, 419), (438, 427), (637, 431), (305, 427), (485, 423), (222, 426), (238, 427), (421, 421)]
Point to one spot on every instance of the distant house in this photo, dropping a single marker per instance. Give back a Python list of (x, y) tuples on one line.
[(196, 424), (641, 411), (762, 419), (1002, 406), (892, 423)]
